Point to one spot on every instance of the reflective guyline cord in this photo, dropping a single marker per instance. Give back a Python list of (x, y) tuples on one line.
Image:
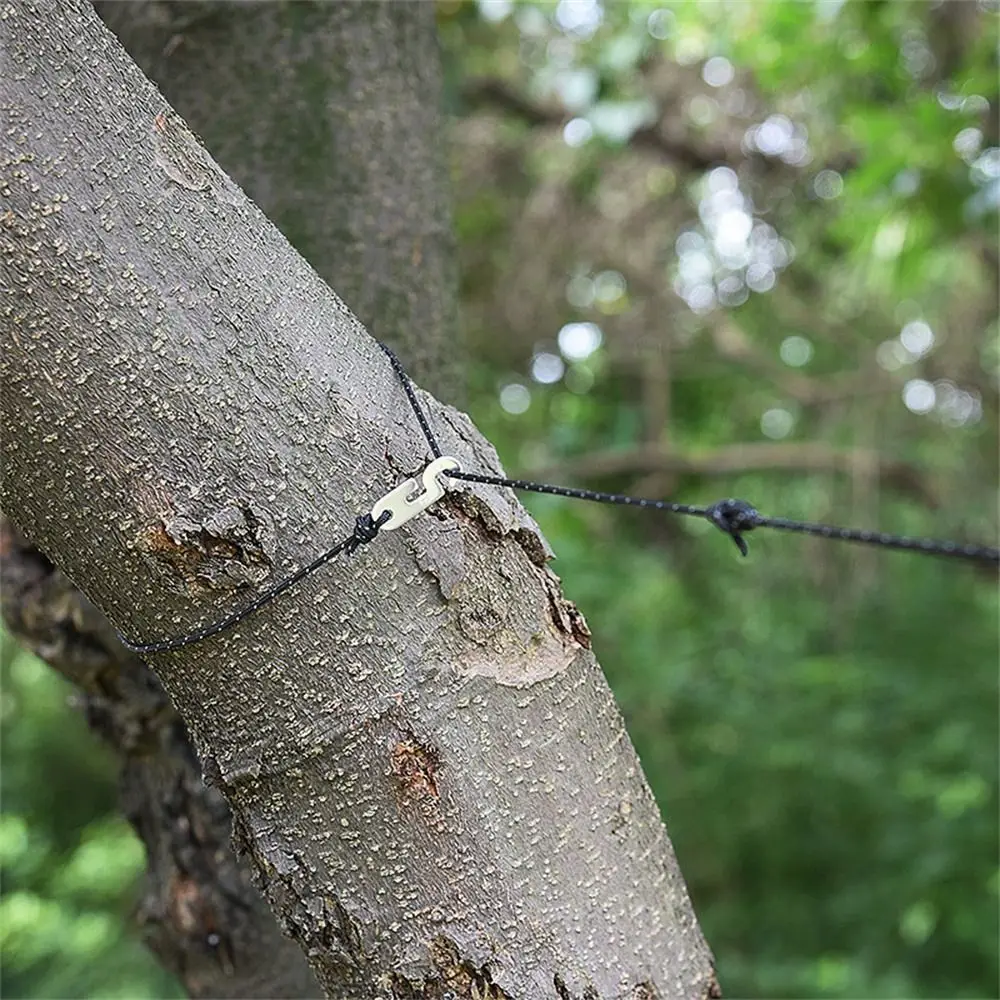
[(735, 518), (399, 505)]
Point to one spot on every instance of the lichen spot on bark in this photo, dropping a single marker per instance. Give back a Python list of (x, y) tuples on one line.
[(178, 153)]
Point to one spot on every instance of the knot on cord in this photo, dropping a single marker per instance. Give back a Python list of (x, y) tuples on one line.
[(366, 529), (734, 517)]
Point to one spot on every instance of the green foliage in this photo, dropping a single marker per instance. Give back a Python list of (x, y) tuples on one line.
[(69, 862), (819, 724), (827, 767)]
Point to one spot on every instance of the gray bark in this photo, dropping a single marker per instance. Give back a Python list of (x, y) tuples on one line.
[(198, 911), (327, 115), (422, 757)]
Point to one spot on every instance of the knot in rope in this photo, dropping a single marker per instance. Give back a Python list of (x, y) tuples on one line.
[(366, 530), (734, 517)]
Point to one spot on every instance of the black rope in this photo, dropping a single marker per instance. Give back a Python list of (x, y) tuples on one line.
[(735, 518), (411, 395), (365, 531)]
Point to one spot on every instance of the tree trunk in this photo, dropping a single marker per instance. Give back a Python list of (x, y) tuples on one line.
[(198, 911), (422, 757), (327, 115)]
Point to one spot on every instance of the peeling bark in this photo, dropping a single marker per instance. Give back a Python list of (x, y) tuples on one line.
[(417, 826)]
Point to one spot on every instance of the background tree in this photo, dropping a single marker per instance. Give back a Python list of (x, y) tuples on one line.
[(780, 221)]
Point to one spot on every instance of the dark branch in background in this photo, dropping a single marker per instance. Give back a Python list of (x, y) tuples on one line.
[(198, 911), (493, 92), (733, 344), (797, 458)]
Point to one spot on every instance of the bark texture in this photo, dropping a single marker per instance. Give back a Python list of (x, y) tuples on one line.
[(328, 116), (198, 911), (422, 757)]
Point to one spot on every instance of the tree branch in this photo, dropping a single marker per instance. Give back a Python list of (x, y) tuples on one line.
[(804, 458), (733, 344), (496, 93), (198, 911), (493, 92)]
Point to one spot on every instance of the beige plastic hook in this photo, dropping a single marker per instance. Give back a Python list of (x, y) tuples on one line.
[(414, 496)]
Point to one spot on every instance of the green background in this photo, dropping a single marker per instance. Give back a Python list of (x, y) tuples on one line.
[(819, 723)]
